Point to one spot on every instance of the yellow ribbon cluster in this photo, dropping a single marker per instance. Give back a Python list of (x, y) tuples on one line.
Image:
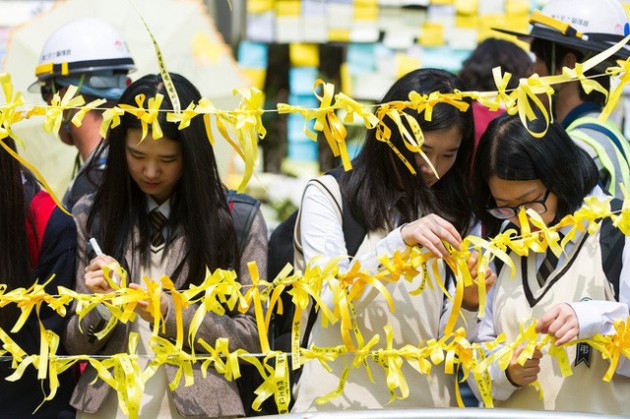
[(221, 291), (245, 123)]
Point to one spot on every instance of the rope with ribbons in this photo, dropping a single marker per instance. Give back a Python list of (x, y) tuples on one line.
[(221, 291)]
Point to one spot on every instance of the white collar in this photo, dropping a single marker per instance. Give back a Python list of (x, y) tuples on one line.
[(165, 208)]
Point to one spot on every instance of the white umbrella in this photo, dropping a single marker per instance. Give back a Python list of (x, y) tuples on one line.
[(189, 42)]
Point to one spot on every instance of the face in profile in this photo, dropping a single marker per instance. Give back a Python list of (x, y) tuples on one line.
[(155, 165), (441, 148)]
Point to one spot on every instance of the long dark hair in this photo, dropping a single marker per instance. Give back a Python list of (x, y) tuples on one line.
[(199, 209), (507, 150), (14, 261), (379, 177)]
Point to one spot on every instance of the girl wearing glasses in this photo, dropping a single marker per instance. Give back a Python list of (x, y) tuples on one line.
[(578, 295)]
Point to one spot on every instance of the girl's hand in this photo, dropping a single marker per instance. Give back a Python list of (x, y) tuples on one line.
[(471, 292), (429, 231), (560, 322), (143, 308), (528, 373), (95, 276)]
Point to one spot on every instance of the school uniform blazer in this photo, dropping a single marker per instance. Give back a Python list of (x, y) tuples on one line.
[(212, 396)]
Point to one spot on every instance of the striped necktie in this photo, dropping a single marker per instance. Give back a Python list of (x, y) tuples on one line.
[(547, 267), (158, 221)]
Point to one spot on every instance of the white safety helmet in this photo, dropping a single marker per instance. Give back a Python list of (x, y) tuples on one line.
[(89, 53), (585, 25)]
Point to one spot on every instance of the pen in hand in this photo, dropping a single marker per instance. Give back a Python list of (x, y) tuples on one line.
[(98, 251), (95, 246)]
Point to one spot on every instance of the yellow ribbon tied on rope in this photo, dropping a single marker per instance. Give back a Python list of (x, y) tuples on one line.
[(147, 116), (412, 140), (501, 96), (526, 94), (54, 114), (9, 114), (111, 119), (614, 346), (250, 128), (167, 353), (77, 119), (391, 361), (622, 69), (327, 122), (219, 291)]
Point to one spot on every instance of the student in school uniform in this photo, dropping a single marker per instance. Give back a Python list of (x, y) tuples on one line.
[(579, 294), (162, 209), (395, 209)]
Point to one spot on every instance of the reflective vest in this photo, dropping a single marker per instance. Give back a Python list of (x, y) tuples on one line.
[(611, 148)]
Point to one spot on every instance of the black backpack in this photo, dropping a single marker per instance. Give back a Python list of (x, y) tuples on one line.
[(281, 250)]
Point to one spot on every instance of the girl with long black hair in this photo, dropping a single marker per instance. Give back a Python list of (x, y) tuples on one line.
[(396, 209), (162, 209)]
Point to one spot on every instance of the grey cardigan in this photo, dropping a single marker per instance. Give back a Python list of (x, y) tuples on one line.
[(212, 396)]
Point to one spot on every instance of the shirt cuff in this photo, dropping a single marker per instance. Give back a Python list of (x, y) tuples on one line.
[(394, 241), (597, 317)]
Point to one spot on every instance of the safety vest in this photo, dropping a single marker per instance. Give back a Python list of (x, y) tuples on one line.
[(610, 146)]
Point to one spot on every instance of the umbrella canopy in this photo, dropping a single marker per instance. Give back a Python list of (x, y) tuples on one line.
[(189, 42)]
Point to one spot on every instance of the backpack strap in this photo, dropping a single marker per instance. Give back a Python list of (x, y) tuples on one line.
[(612, 242), (243, 209), (353, 232)]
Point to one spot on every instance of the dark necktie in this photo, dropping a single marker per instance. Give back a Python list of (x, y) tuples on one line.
[(547, 266), (158, 221)]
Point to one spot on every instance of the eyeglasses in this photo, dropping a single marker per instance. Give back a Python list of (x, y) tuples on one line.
[(503, 213)]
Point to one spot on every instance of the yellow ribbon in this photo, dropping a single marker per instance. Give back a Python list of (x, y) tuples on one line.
[(8, 112), (54, 113), (249, 127), (146, 116), (526, 94), (77, 119), (327, 122), (111, 119)]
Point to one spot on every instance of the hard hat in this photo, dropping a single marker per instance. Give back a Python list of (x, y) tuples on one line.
[(87, 51), (587, 25)]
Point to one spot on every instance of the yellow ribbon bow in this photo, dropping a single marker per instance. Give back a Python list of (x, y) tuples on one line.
[(526, 94), (327, 122), (8, 112), (54, 114), (249, 127), (111, 119), (147, 116)]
